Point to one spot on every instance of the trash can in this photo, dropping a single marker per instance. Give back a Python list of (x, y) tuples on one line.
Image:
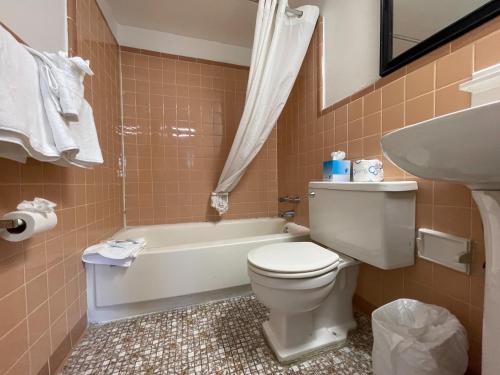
[(415, 338)]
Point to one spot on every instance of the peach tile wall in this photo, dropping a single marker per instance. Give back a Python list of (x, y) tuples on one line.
[(180, 117), (425, 88), (42, 281)]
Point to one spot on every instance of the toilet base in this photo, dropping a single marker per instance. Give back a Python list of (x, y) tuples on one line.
[(321, 339)]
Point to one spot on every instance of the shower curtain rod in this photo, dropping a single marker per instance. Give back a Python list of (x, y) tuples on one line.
[(293, 11)]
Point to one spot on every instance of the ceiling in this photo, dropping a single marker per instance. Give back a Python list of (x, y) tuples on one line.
[(225, 21)]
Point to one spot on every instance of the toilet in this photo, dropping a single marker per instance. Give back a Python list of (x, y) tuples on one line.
[(308, 286)]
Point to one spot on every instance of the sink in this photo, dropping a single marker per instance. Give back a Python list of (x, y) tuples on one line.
[(462, 147)]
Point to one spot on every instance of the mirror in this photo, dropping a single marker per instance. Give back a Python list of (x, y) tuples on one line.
[(410, 29)]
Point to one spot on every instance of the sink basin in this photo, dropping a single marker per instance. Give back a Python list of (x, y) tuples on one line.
[(462, 147)]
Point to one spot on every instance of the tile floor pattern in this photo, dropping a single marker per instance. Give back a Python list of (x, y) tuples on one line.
[(217, 338)]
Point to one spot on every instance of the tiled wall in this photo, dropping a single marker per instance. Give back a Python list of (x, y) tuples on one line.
[(180, 117), (42, 281), (421, 90)]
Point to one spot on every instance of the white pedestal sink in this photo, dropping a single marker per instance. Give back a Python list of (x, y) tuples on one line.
[(463, 147)]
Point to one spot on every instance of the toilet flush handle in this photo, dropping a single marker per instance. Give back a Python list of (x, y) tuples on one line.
[(312, 194)]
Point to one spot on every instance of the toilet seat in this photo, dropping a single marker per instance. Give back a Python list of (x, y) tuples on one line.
[(292, 260), (292, 275)]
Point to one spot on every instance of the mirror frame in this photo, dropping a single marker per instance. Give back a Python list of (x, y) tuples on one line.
[(452, 31)]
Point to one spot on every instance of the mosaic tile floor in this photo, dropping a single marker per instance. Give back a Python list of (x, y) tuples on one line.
[(218, 338)]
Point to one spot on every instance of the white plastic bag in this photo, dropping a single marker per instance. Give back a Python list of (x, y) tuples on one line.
[(414, 338)]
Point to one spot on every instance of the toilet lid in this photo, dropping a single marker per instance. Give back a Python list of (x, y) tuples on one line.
[(292, 257)]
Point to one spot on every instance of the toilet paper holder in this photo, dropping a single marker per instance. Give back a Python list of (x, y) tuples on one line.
[(13, 226)]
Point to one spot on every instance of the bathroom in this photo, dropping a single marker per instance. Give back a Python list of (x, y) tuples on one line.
[(167, 88)]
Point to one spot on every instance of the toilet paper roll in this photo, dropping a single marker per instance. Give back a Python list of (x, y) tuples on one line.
[(36, 222), (367, 171)]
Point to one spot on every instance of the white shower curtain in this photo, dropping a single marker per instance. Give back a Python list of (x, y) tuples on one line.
[(280, 44)]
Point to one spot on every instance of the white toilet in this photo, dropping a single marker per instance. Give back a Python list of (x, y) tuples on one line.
[(308, 288)]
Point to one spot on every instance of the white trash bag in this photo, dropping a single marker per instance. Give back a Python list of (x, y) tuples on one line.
[(414, 338)]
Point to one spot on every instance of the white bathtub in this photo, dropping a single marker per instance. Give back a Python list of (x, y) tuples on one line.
[(182, 264)]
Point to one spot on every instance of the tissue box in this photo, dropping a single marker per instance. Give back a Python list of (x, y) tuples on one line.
[(337, 170)]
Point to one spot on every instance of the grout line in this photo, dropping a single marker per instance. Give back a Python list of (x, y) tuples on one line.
[(122, 136), (26, 352)]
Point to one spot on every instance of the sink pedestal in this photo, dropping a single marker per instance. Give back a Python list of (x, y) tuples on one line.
[(489, 207)]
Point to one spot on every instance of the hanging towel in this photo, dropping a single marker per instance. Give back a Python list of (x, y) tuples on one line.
[(39, 96), (89, 154), (69, 73), (119, 253), (75, 136), (24, 127), (61, 134)]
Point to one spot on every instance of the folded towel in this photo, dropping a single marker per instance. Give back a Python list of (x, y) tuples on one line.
[(293, 228), (119, 253), (24, 127)]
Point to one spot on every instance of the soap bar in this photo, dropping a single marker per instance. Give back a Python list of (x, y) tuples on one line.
[(337, 170)]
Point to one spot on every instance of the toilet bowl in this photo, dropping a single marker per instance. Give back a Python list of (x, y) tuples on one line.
[(308, 290)]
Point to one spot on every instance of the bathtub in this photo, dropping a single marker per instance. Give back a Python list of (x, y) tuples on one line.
[(182, 264)]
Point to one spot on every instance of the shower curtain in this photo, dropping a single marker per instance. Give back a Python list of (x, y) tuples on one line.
[(280, 44)]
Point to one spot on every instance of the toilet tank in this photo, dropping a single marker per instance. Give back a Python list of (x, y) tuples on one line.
[(373, 222)]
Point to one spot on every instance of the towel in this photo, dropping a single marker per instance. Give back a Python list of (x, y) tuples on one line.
[(293, 228), (119, 253), (70, 115), (49, 86), (24, 127), (89, 153), (43, 114), (69, 73)]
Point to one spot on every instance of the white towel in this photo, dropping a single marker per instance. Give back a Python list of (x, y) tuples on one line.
[(49, 86), (24, 127), (69, 73), (85, 132), (293, 228), (114, 252), (75, 136), (39, 96)]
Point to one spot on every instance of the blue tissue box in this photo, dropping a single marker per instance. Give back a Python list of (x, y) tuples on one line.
[(337, 170)]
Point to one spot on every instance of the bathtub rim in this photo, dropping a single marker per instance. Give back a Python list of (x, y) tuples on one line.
[(211, 243)]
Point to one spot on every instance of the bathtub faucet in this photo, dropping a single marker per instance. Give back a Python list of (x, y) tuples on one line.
[(287, 214)]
